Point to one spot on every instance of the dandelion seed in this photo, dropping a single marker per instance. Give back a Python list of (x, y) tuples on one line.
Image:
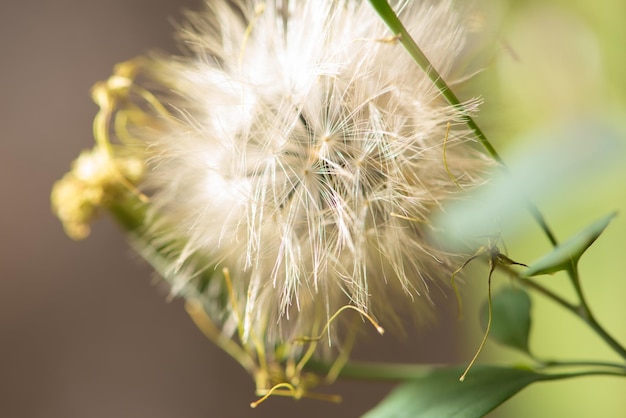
[(290, 164), (306, 156), (297, 148)]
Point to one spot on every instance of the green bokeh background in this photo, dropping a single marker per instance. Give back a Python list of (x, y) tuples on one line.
[(555, 64)]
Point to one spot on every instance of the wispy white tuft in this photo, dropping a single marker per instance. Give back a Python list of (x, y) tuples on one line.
[(306, 155)]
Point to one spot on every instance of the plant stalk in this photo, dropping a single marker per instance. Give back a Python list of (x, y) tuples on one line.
[(387, 14), (584, 312)]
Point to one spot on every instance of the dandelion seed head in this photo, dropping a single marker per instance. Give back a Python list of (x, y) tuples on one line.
[(305, 155)]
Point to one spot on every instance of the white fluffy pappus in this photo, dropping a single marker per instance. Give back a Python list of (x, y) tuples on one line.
[(306, 155)]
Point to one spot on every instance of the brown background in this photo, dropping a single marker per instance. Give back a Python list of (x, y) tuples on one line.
[(83, 330)]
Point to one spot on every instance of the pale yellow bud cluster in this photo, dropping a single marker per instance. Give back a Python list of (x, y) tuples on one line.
[(95, 177), (100, 174)]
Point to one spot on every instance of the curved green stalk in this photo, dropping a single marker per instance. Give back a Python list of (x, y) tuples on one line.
[(585, 373), (374, 371), (538, 288), (545, 364), (385, 11), (395, 372), (387, 14), (584, 312)]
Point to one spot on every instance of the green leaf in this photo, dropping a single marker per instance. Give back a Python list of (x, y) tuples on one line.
[(511, 321), (569, 252), (441, 395)]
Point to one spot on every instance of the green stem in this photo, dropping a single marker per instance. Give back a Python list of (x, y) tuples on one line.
[(539, 288), (561, 376), (543, 224), (387, 14), (128, 211), (374, 371), (558, 363), (584, 312), (400, 372), (385, 11)]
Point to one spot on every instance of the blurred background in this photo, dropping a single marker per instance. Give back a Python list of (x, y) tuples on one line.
[(554, 105), (85, 329)]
